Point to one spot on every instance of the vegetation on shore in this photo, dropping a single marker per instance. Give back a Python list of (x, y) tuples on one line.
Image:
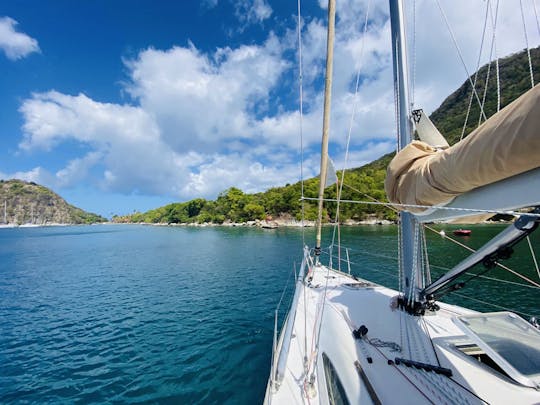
[(233, 205)]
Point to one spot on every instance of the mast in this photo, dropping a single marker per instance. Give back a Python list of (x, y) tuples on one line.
[(326, 116), (410, 246)]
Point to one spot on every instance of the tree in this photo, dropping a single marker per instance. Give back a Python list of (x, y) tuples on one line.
[(253, 212)]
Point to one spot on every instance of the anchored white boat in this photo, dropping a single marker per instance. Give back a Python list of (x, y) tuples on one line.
[(348, 340), (6, 224)]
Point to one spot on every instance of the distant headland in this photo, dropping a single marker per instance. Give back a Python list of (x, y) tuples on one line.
[(29, 204)]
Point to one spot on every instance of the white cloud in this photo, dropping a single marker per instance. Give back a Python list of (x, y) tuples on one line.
[(369, 152), (52, 117), (252, 11), (202, 122), (124, 139), (16, 45), (206, 100), (77, 169), (37, 175), (222, 172)]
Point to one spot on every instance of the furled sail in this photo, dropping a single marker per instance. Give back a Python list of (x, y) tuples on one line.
[(505, 145)]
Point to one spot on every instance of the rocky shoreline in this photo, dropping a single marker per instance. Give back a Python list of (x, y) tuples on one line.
[(43, 225), (272, 224)]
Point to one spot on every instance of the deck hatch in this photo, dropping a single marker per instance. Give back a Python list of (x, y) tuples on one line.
[(511, 342)]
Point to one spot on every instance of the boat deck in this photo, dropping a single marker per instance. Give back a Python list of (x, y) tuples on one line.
[(401, 358)]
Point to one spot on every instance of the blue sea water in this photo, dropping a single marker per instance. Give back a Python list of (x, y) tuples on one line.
[(138, 314)]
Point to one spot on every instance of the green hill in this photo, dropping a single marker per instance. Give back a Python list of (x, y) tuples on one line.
[(30, 203), (515, 80), (363, 183)]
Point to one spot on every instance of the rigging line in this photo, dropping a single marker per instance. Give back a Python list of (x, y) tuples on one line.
[(461, 57), (318, 336), (362, 251), (276, 311), (502, 266), (305, 321), (494, 42), (450, 287), (472, 210), (367, 253), (404, 375), (339, 238), (533, 256), (490, 303), (285, 288), (378, 270), (488, 8), (526, 42), (353, 113), (426, 329), (451, 239), (415, 263), (301, 112), (408, 339), (400, 257), (413, 84), (401, 313), (498, 280), (396, 103), (422, 349), (476, 74), (370, 197), (394, 258), (428, 268), (486, 83), (536, 16), (445, 268), (423, 256)]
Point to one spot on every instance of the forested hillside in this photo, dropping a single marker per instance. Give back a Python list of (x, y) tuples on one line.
[(514, 78), (366, 182)]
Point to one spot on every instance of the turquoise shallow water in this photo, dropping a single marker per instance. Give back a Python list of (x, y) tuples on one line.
[(167, 315)]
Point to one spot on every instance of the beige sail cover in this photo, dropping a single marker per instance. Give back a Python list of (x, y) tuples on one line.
[(506, 144)]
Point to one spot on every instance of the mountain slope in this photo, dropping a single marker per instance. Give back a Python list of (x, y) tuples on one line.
[(514, 80), (30, 203)]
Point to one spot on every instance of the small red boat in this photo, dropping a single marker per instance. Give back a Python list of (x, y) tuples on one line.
[(462, 232)]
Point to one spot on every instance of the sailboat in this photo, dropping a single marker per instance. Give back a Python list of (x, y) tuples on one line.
[(347, 340), (5, 224), (32, 222)]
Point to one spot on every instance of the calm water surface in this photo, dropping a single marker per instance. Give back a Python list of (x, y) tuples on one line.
[(172, 315)]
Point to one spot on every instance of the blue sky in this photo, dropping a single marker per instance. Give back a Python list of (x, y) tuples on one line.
[(129, 105)]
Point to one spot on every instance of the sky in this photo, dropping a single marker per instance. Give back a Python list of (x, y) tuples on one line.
[(128, 105)]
